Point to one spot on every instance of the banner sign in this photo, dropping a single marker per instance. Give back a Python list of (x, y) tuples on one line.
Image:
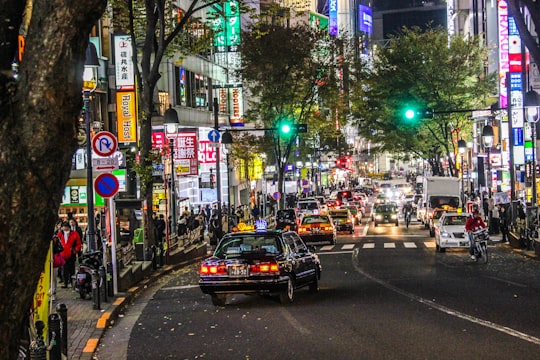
[(126, 116), (123, 62)]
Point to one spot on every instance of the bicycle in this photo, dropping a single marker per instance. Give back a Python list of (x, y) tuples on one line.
[(480, 238)]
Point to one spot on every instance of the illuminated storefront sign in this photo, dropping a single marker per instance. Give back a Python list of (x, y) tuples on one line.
[(126, 117), (123, 62), (516, 90), (365, 19), (504, 62), (333, 17)]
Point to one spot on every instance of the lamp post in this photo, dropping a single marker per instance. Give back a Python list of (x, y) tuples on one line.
[(91, 64), (215, 105), (487, 137), (462, 148), (227, 140), (171, 127)]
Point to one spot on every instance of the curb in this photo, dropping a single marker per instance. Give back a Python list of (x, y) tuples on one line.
[(108, 318)]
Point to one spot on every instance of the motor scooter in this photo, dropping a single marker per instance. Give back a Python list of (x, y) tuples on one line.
[(87, 273)]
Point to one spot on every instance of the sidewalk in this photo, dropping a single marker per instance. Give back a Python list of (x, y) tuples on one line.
[(86, 326)]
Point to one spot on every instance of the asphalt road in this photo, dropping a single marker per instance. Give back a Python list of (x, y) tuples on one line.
[(384, 294)]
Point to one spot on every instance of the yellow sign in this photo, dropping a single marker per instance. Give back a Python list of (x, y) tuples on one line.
[(41, 295), (127, 116)]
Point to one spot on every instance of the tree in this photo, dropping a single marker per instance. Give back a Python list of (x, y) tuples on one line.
[(285, 78), (38, 120), (423, 70)]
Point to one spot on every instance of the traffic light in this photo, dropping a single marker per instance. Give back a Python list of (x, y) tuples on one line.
[(285, 129), (417, 113)]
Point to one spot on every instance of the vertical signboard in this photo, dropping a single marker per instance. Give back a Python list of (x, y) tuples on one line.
[(514, 61), (123, 62), (126, 114), (504, 64), (333, 17), (185, 152)]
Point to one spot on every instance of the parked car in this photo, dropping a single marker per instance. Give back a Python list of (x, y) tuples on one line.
[(259, 262), (450, 231), (343, 220), (386, 214), (316, 229)]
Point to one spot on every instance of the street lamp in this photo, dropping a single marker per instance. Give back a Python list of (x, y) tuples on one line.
[(531, 103), (487, 137), (171, 127), (227, 140), (90, 76), (462, 148)]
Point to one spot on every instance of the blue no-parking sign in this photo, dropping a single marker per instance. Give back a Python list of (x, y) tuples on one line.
[(106, 185)]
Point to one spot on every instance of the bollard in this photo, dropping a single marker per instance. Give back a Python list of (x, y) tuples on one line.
[(37, 349), (61, 310), (153, 255), (103, 283), (110, 287), (96, 296), (161, 254), (55, 337)]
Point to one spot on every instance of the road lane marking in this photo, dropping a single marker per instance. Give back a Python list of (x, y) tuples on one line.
[(389, 245), (447, 310), (429, 244), (295, 323), (327, 248), (348, 247), (368, 246), (409, 245)]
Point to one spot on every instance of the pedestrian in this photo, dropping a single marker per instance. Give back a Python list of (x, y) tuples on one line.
[(159, 228), (182, 225), (255, 212), (72, 244), (504, 223), (494, 224), (75, 227), (58, 262)]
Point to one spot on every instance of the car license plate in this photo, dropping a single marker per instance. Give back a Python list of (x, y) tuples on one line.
[(81, 276), (315, 230), (237, 270)]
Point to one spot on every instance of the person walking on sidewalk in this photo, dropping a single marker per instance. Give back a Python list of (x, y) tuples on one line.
[(504, 223), (71, 242)]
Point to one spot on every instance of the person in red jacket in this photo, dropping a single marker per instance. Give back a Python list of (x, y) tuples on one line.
[(71, 242), (473, 223)]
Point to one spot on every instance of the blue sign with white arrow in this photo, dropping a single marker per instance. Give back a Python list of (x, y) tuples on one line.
[(214, 136)]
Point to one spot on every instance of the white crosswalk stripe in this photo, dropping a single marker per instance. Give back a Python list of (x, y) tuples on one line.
[(372, 245)]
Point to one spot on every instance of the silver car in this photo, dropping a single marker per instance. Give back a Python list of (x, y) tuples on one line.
[(450, 231)]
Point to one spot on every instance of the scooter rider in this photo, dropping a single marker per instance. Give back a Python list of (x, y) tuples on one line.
[(473, 223)]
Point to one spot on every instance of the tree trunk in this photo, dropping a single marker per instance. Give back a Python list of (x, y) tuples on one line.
[(38, 122)]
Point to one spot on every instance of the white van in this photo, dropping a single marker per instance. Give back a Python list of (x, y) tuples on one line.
[(308, 206)]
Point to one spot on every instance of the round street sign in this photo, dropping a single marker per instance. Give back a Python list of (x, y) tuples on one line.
[(104, 143), (213, 136), (276, 195), (106, 185)]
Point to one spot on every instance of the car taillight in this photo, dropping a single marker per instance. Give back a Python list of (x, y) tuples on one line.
[(213, 269), (328, 228), (264, 268), (302, 230)]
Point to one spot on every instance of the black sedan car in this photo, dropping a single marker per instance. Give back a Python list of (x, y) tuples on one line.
[(259, 262)]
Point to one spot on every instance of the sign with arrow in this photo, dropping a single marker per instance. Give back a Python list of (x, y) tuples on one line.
[(104, 143)]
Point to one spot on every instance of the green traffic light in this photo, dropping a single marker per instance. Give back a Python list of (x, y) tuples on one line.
[(410, 114), (285, 128)]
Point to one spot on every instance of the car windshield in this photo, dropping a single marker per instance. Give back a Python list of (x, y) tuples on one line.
[(440, 201), (385, 208), (235, 246), (455, 220), (315, 219), (312, 205), (286, 214)]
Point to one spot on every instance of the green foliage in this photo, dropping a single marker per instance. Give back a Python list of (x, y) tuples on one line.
[(417, 71)]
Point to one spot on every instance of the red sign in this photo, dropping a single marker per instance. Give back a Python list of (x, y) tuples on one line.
[(207, 153), (185, 151)]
